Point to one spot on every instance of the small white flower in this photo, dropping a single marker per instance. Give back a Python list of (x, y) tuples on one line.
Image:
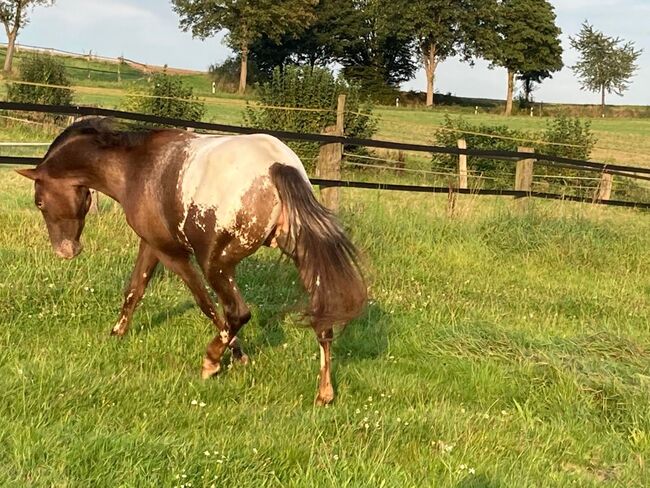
[(462, 467), (471, 471), (202, 404), (194, 402), (254, 451), (207, 453), (336, 457)]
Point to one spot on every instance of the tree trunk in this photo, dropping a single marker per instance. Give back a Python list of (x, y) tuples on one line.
[(430, 64), (602, 101), (11, 46), (511, 83), (243, 72)]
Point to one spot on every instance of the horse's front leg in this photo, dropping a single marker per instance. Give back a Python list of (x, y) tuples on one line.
[(182, 266), (145, 265)]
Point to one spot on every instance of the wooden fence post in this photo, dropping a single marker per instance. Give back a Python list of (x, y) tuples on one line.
[(524, 174), (329, 158), (340, 115), (462, 165), (604, 191), (329, 168)]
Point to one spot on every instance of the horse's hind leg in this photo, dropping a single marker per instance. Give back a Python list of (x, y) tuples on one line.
[(237, 313), (325, 388), (145, 265)]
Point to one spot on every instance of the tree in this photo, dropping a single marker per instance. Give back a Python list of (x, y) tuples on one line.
[(377, 54), (528, 81), (438, 26), (522, 37), (606, 64), (13, 14), (336, 24), (245, 20)]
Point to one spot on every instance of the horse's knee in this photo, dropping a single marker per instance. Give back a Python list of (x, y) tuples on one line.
[(238, 317)]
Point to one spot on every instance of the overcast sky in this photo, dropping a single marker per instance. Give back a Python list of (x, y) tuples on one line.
[(147, 31)]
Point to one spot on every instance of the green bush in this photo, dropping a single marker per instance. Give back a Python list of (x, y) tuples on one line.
[(43, 69), (309, 89), (167, 96), (563, 130), (570, 131), (459, 128)]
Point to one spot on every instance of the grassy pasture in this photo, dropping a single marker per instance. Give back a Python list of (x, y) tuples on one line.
[(499, 349)]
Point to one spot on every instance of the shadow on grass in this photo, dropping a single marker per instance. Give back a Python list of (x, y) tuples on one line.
[(277, 302), (478, 481)]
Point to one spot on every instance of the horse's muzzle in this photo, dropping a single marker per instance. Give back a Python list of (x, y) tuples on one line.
[(68, 249)]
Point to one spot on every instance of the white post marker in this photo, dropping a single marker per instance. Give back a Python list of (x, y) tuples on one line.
[(214, 88)]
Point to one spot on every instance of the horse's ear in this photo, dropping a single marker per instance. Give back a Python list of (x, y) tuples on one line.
[(28, 173)]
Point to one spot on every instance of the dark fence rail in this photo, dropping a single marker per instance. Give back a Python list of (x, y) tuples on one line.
[(549, 160)]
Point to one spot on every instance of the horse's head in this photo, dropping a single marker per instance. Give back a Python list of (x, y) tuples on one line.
[(64, 204)]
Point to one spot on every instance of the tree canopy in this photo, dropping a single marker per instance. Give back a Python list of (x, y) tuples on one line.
[(439, 30), (14, 16), (522, 37), (606, 64), (378, 53), (245, 20)]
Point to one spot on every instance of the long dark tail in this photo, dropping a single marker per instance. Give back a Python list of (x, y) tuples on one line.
[(325, 256)]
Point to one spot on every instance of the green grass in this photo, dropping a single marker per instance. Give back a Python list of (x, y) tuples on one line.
[(514, 344)]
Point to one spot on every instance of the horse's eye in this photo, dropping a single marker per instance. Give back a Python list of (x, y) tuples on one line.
[(40, 204)]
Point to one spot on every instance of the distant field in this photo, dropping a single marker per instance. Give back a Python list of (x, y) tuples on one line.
[(620, 139)]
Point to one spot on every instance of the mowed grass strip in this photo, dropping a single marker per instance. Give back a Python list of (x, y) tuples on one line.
[(499, 349)]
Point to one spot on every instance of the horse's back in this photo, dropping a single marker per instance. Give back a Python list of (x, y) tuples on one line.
[(225, 187)]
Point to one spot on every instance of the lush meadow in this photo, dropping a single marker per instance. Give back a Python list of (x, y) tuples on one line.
[(501, 347)]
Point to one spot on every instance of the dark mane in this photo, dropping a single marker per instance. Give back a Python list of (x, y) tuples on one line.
[(107, 133)]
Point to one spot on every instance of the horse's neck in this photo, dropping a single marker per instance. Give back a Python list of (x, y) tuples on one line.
[(107, 171)]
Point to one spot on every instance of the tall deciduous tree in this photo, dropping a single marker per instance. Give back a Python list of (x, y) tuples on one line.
[(438, 26), (14, 16), (379, 53), (606, 64), (523, 38), (337, 24), (245, 20)]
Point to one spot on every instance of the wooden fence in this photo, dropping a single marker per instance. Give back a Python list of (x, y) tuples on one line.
[(331, 154)]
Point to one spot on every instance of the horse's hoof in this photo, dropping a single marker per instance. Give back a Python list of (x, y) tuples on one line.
[(243, 359), (324, 398), (117, 332), (209, 369)]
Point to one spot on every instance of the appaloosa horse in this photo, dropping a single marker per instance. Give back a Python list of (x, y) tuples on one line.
[(217, 198)]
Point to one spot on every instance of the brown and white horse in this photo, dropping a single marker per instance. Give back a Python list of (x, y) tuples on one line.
[(216, 198)]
